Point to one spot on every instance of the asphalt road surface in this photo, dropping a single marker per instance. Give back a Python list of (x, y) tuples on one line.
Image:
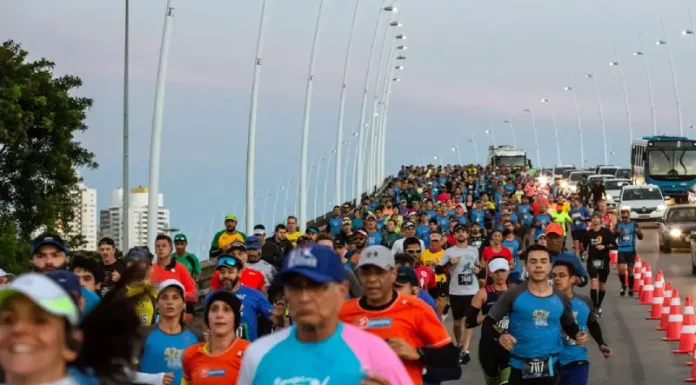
[(640, 355)]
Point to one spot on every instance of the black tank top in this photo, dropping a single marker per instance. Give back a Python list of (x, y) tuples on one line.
[(491, 297)]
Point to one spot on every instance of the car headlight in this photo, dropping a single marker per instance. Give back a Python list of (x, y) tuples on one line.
[(675, 233), (661, 207), (573, 188), (564, 184)]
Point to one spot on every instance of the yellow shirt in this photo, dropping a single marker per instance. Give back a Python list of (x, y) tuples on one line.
[(292, 237), (429, 258), (145, 308)]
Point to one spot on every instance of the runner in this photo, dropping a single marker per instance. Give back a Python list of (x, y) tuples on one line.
[(575, 367), (462, 263), (538, 315), (598, 243), (225, 237), (166, 267), (318, 347), (407, 323), (408, 230), (254, 261), (112, 267), (626, 233), (431, 257), (554, 242), (579, 214), (187, 259), (493, 358), (407, 283), (293, 231), (495, 249)]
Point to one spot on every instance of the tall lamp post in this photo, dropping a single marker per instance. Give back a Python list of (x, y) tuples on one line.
[(674, 78), (601, 113), (126, 188), (577, 115), (476, 150), (626, 101), (275, 205), (459, 154), (492, 134), (302, 220), (349, 155), (389, 80), (536, 137), (326, 181), (342, 107), (157, 117), (555, 131), (251, 139), (650, 90), (512, 131)]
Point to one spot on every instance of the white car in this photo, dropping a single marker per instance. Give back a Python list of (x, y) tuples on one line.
[(613, 189), (646, 202)]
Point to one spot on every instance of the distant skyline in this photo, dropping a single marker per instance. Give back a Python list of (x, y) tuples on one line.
[(467, 63)]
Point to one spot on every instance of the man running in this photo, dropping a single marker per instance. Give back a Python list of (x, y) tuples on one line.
[(575, 367), (538, 315), (626, 233), (187, 259), (598, 243), (579, 216), (226, 237)]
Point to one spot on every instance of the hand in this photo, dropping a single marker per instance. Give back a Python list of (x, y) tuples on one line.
[(168, 378), (599, 247), (374, 380), (278, 308), (115, 276), (606, 351), (403, 350), (507, 341), (582, 338), (455, 261)]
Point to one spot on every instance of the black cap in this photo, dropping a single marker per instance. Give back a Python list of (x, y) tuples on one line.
[(339, 242), (406, 275), (460, 227), (48, 239), (230, 299)]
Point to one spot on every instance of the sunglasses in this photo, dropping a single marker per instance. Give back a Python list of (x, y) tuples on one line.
[(227, 261), (413, 251)]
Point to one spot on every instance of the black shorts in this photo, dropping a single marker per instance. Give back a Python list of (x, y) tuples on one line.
[(578, 235), (439, 291), (627, 257), (460, 305), (598, 272), (523, 231)]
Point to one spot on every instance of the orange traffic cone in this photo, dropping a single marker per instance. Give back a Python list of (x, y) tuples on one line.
[(643, 270), (688, 329), (647, 294), (665, 306), (675, 318), (658, 298), (637, 269), (693, 367), (613, 257)]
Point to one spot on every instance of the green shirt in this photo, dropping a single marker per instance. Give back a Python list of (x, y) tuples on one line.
[(190, 261)]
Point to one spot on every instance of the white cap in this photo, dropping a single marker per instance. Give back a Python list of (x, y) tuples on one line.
[(44, 292), (498, 264), (170, 283), (3, 273)]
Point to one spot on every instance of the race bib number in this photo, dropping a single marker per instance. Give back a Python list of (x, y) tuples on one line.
[(578, 222), (627, 238), (502, 325), (465, 279), (537, 368), (598, 263)]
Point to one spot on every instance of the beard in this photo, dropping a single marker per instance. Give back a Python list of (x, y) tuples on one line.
[(229, 284), (50, 268)]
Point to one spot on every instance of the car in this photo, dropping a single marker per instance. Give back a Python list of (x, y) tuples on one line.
[(623, 173), (613, 189), (574, 178), (606, 170), (645, 202), (591, 179), (560, 169), (677, 226)]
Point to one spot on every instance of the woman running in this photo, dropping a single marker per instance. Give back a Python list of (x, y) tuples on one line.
[(492, 357)]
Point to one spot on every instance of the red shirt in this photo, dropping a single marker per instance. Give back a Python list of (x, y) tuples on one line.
[(443, 197), (607, 222), (249, 278), (179, 272), (426, 277), (451, 240), (488, 253)]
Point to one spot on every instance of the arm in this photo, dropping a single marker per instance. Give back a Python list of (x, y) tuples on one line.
[(639, 232), (570, 327), (189, 285), (472, 317), (215, 250)]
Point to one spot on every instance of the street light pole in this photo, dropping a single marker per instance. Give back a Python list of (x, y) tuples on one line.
[(473, 141), (342, 107), (536, 137), (251, 139), (382, 122), (275, 204), (126, 188), (512, 130), (674, 78), (577, 115), (316, 185), (649, 80), (302, 220), (625, 91), (349, 155), (555, 131), (601, 112), (158, 115)]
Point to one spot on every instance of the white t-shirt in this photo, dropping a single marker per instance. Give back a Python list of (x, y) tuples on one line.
[(462, 281)]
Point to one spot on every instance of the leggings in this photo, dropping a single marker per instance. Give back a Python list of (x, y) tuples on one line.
[(494, 361)]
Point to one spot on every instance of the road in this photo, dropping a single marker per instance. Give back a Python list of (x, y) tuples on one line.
[(640, 355)]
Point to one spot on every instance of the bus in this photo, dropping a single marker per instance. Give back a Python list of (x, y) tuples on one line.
[(668, 162), (507, 156)]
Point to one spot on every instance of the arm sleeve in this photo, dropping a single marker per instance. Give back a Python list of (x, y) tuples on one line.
[(570, 327), (442, 357), (593, 323), (355, 288), (580, 272), (471, 317)]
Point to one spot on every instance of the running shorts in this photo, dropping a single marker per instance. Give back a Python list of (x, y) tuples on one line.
[(598, 268), (440, 290), (578, 235), (627, 257), (460, 305)]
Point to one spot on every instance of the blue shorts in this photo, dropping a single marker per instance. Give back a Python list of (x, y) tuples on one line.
[(575, 373)]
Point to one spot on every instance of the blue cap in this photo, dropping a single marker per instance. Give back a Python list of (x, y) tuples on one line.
[(68, 280), (253, 242), (48, 239), (317, 263), (406, 275)]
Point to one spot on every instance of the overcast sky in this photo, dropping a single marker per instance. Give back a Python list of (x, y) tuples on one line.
[(468, 62)]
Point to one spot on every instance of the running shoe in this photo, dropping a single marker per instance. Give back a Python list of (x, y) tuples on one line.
[(623, 291), (630, 293), (464, 358), (598, 311)]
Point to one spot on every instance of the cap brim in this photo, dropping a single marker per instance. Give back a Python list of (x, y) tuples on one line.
[(359, 265), (57, 244), (307, 273), (553, 232), (62, 306)]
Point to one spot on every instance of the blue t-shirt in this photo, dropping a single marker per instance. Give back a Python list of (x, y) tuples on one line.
[(477, 216), (335, 225), (535, 322), (514, 247), (579, 218), (423, 232), (427, 298), (577, 264), (462, 219), (526, 212), (91, 300), (357, 223), (254, 304), (163, 353), (431, 213), (544, 219), (582, 310), (374, 238), (626, 237), (443, 222)]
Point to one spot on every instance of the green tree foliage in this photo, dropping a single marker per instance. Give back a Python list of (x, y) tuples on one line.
[(39, 118)]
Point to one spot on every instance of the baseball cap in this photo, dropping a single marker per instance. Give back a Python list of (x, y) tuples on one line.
[(260, 230), (538, 237), (362, 232), (498, 263), (406, 275), (44, 292), (167, 283), (461, 227), (370, 216), (48, 239), (140, 253), (68, 280), (3, 273), (235, 246), (253, 242), (408, 224), (317, 263), (312, 230), (435, 236), (339, 242), (346, 221), (554, 228), (376, 255), (230, 217), (180, 238), (229, 261)]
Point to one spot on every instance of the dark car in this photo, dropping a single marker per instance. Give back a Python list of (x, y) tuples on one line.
[(676, 227)]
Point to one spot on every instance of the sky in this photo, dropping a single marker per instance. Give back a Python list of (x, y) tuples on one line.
[(470, 66)]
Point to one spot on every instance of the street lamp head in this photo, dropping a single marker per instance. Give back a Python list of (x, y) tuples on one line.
[(544, 100), (488, 132), (391, 9), (454, 149), (399, 67), (589, 76), (661, 42), (396, 80), (402, 47), (638, 53), (402, 37), (344, 142), (687, 32), (527, 110), (401, 57), (356, 134), (395, 24), (568, 88), (614, 63), (506, 121)]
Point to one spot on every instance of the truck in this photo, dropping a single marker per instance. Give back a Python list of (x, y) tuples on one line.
[(507, 156)]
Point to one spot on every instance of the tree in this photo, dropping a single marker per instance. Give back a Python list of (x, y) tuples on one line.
[(39, 118)]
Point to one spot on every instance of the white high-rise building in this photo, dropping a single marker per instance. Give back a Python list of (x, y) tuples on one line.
[(85, 221), (111, 219)]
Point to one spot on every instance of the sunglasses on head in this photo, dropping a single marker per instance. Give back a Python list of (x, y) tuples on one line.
[(227, 261)]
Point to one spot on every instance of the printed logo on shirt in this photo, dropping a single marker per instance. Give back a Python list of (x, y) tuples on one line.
[(301, 381), (373, 323), (541, 317), (207, 373), (173, 356)]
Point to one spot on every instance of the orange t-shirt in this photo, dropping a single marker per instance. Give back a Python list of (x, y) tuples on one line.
[(202, 368), (408, 318), (249, 278)]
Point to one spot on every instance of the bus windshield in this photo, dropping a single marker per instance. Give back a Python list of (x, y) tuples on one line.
[(510, 160), (672, 163)]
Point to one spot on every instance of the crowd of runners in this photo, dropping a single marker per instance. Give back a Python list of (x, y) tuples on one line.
[(362, 300)]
